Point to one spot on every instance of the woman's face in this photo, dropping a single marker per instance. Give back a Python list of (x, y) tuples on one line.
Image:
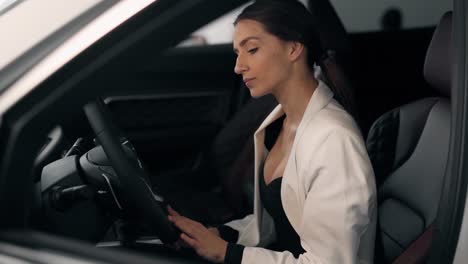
[(262, 58)]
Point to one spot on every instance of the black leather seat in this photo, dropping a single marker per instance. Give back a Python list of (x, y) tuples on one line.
[(408, 147)]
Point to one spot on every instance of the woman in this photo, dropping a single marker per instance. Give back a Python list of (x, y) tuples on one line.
[(315, 198)]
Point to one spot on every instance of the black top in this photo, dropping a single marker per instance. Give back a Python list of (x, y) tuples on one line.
[(286, 237)]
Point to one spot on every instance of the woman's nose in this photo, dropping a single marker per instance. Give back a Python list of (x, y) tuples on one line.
[(240, 66)]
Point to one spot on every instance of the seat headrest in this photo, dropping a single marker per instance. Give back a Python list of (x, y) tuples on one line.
[(331, 30), (438, 63)]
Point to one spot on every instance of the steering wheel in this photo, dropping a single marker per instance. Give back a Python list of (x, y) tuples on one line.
[(133, 178)]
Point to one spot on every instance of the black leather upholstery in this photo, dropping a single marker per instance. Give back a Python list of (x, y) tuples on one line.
[(411, 174), (399, 130), (408, 147)]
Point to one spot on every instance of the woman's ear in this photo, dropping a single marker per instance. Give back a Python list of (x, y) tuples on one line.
[(295, 50)]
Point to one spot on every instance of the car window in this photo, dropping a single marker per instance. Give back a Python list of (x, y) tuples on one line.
[(219, 31), (32, 21), (34, 28), (372, 16), (398, 14), (6, 5)]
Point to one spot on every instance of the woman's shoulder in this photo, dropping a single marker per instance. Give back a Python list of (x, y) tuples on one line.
[(330, 134), (332, 127), (332, 119)]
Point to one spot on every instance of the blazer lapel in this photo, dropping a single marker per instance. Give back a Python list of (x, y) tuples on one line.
[(260, 154), (292, 192)]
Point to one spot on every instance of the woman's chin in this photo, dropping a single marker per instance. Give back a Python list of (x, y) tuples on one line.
[(255, 93)]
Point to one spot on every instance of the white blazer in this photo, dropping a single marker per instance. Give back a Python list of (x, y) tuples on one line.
[(328, 190)]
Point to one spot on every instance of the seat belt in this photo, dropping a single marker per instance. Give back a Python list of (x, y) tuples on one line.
[(418, 250)]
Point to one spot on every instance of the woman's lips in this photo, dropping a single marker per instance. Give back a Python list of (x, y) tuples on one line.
[(248, 82)]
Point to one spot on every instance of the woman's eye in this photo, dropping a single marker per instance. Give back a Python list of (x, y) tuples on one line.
[(252, 51)]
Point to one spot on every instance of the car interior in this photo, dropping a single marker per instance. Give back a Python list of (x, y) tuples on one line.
[(177, 130)]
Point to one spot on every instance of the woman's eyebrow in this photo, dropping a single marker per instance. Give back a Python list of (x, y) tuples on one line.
[(242, 43)]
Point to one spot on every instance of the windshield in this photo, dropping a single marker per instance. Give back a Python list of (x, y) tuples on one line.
[(30, 29), (5, 5), (30, 22)]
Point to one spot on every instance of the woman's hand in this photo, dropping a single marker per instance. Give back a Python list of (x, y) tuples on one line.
[(214, 230), (206, 242)]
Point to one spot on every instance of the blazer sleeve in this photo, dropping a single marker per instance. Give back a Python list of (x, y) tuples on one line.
[(240, 224), (267, 233), (339, 203)]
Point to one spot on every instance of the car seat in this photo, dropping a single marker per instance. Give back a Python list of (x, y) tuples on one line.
[(408, 147)]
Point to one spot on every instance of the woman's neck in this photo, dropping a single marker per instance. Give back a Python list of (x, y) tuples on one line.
[(294, 97)]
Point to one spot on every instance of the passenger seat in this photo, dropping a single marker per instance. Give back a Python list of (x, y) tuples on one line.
[(408, 147)]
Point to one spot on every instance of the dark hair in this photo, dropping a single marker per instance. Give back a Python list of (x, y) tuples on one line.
[(289, 20)]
